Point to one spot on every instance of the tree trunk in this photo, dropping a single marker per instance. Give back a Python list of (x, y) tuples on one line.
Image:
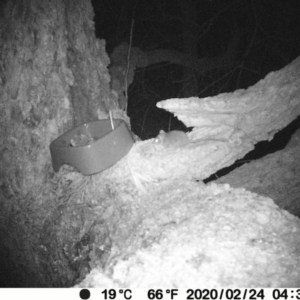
[(53, 75)]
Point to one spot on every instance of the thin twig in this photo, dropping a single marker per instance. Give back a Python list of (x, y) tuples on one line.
[(128, 65)]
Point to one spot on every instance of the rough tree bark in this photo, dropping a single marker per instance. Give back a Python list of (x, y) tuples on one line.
[(53, 75), (174, 232), (276, 176), (169, 215)]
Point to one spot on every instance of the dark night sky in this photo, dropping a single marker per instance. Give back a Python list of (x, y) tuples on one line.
[(158, 24), (270, 39)]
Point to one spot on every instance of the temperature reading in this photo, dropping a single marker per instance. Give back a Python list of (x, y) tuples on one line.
[(109, 294), (172, 292), (159, 294), (112, 294)]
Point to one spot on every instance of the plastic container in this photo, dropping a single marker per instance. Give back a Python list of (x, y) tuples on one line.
[(92, 147)]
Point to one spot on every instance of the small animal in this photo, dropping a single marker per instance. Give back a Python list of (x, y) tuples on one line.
[(172, 139)]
